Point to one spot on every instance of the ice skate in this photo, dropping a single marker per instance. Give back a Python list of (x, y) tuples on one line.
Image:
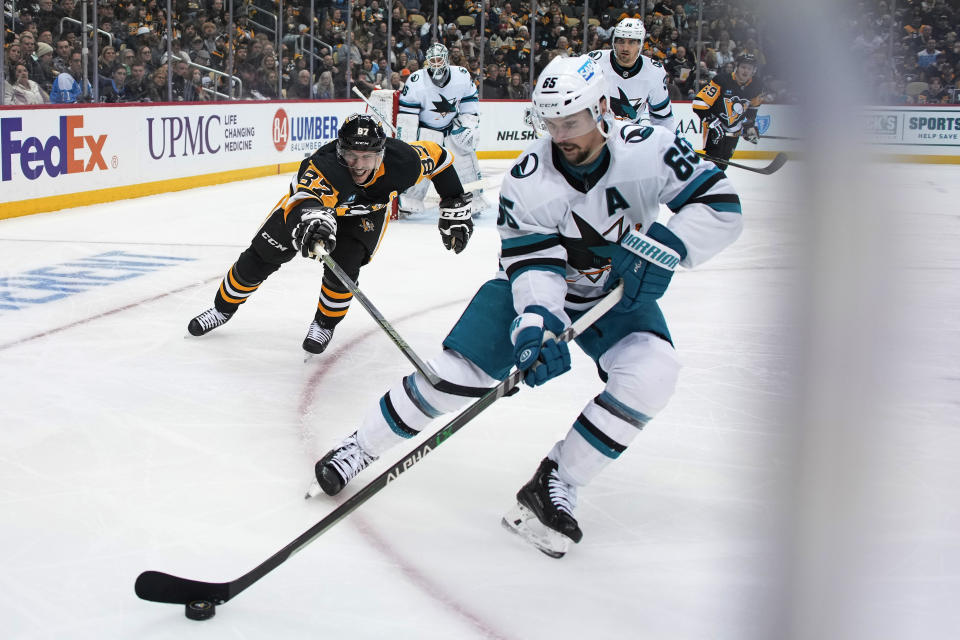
[(544, 512), (317, 338), (207, 322), (334, 470)]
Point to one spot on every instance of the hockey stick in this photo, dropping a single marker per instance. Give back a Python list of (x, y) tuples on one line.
[(422, 367), (781, 138), (163, 587), (778, 161), (375, 111)]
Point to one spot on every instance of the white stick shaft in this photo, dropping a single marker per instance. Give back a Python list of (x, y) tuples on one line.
[(375, 111)]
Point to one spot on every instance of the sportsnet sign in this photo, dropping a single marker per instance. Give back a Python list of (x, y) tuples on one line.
[(69, 148)]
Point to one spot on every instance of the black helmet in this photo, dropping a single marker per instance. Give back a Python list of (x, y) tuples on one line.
[(747, 58), (361, 132)]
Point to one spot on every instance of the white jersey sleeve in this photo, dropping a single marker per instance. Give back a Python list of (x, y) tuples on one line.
[(658, 100), (708, 216)]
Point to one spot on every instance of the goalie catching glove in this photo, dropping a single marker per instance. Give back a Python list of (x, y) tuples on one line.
[(456, 221), (646, 267), (317, 224)]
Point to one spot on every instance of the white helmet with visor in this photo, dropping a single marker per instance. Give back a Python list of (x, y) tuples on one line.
[(566, 87)]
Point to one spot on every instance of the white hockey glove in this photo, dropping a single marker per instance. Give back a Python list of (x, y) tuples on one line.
[(456, 222), (318, 224), (750, 134), (532, 120), (716, 131), (466, 131)]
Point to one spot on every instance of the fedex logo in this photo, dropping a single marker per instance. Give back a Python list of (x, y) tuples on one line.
[(55, 155)]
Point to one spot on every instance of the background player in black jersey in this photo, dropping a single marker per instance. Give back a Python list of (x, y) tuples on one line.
[(727, 108), (340, 197)]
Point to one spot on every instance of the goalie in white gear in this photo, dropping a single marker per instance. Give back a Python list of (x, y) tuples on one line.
[(578, 213), (636, 86), (440, 103)]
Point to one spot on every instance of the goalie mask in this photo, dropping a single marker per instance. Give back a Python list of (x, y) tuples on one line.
[(360, 145), (436, 64), (565, 88)]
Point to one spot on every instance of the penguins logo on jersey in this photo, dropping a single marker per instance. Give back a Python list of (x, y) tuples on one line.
[(526, 166), (735, 108)]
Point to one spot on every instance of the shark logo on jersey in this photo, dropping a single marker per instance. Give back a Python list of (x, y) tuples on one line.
[(635, 134), (624, 107), (444, 106), (763, 124), (526, 166)]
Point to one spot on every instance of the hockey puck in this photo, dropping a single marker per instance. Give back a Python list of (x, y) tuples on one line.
[(200, 610)]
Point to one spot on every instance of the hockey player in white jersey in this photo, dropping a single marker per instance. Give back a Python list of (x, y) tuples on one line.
[(636, 86), (578, 212), (440, 103)]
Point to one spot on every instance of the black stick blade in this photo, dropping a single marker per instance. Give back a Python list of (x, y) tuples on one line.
[(163, 587), (778, 161)]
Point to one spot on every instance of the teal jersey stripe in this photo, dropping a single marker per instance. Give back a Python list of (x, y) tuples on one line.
[(655, 107), (726, 206), (637, 418), (522, 241), (538, 267), (595, 442), (390, 421), (692, 186)]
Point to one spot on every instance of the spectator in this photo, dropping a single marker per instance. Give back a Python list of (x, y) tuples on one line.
[(518, 89), (61, 62), (46, 74), (680, 67), (183, 90), (494, 87), (300, 90), (23, 90), (138, 84), (116, 90), (928, 55), (324, 89), (158, 85), (108, 60)]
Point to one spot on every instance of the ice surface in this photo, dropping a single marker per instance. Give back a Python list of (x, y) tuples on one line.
[(127, 446)]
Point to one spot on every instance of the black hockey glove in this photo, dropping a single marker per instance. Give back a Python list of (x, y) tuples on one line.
[(456, 221), (750, 134), (644, 279), (318, 224), (715, 131)]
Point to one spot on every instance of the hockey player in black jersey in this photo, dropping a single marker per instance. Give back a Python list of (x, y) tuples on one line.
[(727, 108), (341, 197)]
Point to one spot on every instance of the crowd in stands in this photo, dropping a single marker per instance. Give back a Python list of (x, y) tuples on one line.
[(43, 60), (909, 49)]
